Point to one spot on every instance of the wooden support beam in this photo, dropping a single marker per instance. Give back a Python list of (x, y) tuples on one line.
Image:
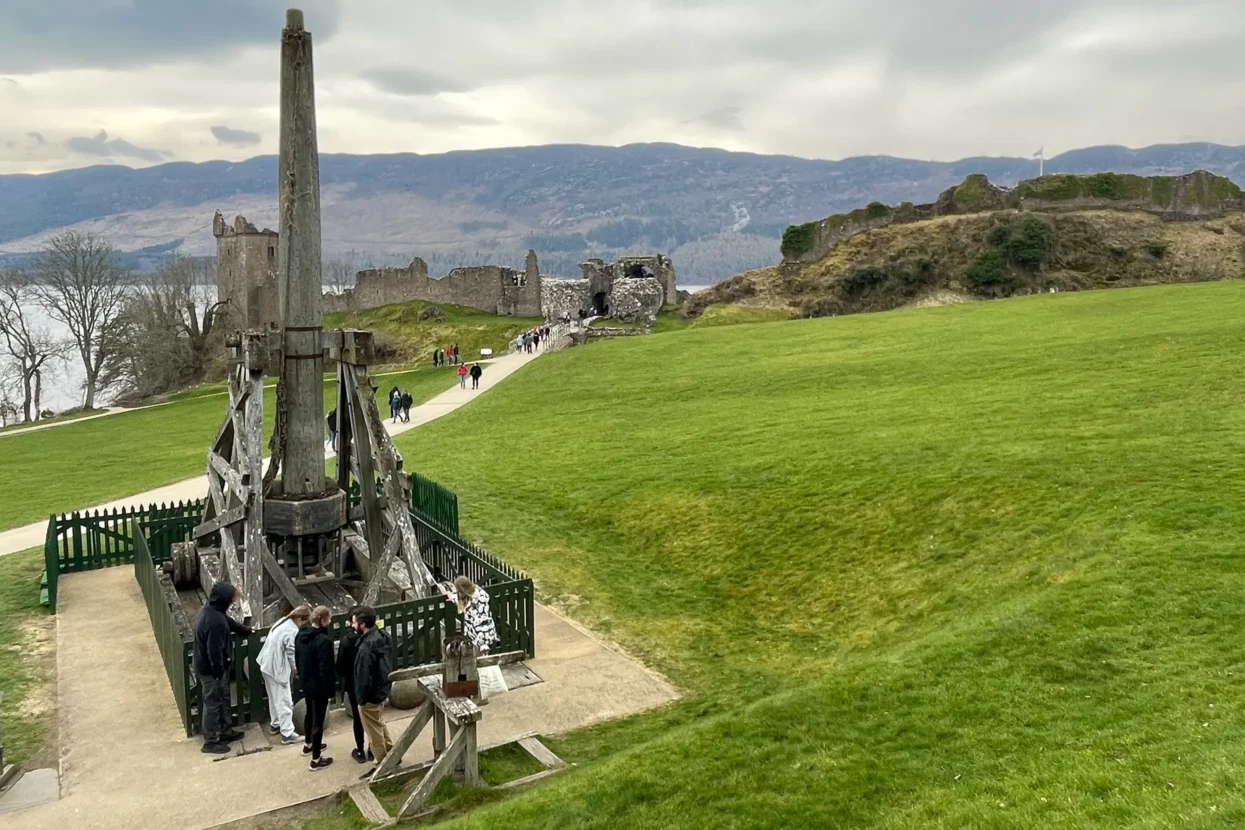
[(253, 467), (227, 519), (438, 771), (372, 810), (279, 578), (435, 669), (541, 753), (231, 476), (458, 710), (393, 760)]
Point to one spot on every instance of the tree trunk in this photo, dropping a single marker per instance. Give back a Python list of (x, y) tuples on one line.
[(38, 396), (26, 399), (88, 397)]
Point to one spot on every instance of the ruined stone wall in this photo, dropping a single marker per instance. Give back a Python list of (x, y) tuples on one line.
[(604, 280), (1197, 195), (492, 288), (637, 300), (246, 273), (570, 297)]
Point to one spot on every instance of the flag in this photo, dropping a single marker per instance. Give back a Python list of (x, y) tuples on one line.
[(1038, 154)]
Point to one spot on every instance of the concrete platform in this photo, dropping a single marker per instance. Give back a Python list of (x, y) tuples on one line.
[(126, 762), (39, 786)]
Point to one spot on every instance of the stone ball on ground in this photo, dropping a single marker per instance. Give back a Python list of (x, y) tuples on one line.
[(406, 694), (300, 714)]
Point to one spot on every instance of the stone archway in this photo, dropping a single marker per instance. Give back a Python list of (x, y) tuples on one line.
[(600, 304)]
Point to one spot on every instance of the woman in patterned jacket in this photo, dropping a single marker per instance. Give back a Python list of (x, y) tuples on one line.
[(473, 604)]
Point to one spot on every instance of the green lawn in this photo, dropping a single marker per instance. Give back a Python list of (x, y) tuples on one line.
[(718, 315), (398, 326), (975, 566), (83, 464), (27, 661)]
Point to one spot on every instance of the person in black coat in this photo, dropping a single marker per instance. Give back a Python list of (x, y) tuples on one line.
[(347, 650), (213, 658), (476, 371), (371, 679), (313, 655)]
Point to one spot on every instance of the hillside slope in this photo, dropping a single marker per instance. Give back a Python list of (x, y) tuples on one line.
[(1002, 243), (717, 212), (975, 566)]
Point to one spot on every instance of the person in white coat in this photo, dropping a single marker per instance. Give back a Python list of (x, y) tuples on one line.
[(276, 663)]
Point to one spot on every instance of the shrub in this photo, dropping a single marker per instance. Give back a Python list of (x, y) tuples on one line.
[(1000, 235), (863, 279), (1157, 248), (877, 210), (988, 269), (1115, 186), (1030, 247), (797, 240)]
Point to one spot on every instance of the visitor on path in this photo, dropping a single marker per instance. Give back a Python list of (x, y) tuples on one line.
[(478, 626), (331, 420), (395, 398), (313, 652), (436, 357), (458, 357), (371, 680), (347, 651), (276, 664), (462, 376), (536, 340), (213, 657), (407, 400), (476, 371)]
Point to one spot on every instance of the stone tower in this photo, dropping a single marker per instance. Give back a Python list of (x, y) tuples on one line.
[(246, 273)]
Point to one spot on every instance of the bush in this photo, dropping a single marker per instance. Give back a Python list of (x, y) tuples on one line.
[(988, 269), (877, 210), (863, 279), (797, 240), (1029, 248), (1157, 248), (1000, 235)]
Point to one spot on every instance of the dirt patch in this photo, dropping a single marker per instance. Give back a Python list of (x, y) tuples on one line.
[(940, 298), (38, 645)]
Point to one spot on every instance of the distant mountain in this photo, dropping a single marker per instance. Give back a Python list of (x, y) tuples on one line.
[(717, 213)]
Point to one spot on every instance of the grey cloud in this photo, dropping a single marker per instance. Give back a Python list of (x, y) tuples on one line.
[(38, 137), (228, 135), (400, 81), (56, 34), (100, 145), (726, 118)]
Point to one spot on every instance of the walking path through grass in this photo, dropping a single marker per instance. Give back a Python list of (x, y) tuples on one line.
[(32, 535)]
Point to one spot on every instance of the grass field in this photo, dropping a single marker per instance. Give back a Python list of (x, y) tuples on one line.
[(27, 654), (975, 566), (399, 326), (77, 465)]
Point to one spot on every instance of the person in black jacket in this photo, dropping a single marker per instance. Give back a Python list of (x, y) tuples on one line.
[(371, 679), (347, 650), (476, 371), (213, 658), (313, 655)]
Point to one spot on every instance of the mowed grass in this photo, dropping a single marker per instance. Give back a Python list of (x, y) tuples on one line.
[(975, 566), (78, 465)]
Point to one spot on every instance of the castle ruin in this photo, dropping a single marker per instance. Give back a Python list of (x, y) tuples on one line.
[(632, 289)]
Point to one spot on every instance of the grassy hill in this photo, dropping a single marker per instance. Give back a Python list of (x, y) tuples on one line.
[(973, 566), (403, 336)]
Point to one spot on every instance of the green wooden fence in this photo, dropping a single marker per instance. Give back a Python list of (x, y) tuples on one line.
[(173, 641)]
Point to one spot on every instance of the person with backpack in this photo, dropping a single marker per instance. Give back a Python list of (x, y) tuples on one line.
[(372, 666), (407, 400), (476, 371), (395, 399), (313, 654), (276, 665), (462, 376)]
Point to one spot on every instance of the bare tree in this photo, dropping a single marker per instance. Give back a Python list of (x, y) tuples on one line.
[(339, 274), (81, 284), (167, 327), (30, 348)]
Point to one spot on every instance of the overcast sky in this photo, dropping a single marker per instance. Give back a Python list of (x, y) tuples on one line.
[(140, 82)]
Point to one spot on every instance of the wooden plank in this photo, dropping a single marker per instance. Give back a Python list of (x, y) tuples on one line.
[(372, 810), (436, 669), (470, 759), (394, 759), (458, 710), (541, 753), (438, 771), (227, 519), (529, 779), (231, 476)]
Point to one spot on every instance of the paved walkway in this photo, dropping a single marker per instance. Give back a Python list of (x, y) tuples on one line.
[(127, 763), (32, 535)]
